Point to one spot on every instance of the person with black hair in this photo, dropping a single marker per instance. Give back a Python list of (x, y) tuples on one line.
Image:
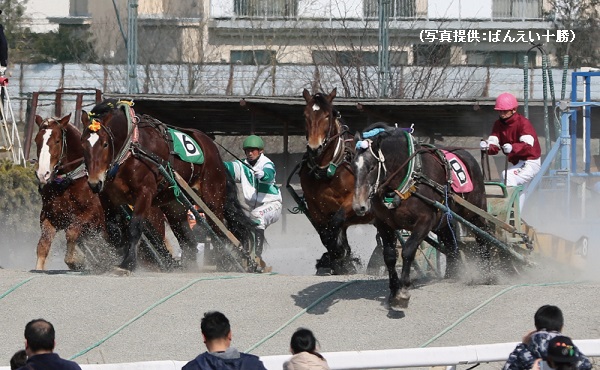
[(18, 359), (548, 322), (303, 346), (216, 333), (39, 346)]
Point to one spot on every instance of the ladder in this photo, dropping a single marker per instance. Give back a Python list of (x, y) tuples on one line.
[(10, 141)]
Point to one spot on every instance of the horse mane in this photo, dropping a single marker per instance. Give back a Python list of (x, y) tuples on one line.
[(104, 107)]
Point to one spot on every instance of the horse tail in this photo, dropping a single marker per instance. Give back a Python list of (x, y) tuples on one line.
[(238, 222)]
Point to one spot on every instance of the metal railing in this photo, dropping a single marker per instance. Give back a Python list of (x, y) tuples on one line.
[(266, 8), (517, 9)]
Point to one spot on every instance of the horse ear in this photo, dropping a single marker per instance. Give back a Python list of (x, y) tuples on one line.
[(38, 120), (332, 94), (357, 137), (65, 120), (85, 118), (306, 95)]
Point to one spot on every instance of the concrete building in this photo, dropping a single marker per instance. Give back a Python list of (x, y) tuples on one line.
[(334, 32)]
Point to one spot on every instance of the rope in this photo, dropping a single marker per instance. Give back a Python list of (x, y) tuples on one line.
[(154, 305), (16, 287), (448, 216), (489, 300), (287, 323)]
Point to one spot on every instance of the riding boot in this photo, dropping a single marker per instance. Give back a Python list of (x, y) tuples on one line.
[(260, 239)]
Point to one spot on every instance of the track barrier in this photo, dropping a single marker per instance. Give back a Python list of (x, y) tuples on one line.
[(377, 359)]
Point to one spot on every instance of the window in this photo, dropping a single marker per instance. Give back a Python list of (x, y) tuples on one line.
[(253, 57), (431, 54), (395, 8), (266, 8), (500, 58), (357, 58), (519, 9)]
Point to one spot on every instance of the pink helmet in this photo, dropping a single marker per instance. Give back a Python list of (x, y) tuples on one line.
[(506, 101)]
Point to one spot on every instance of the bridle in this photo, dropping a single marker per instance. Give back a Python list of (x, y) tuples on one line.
[(120, 157), (334, 134), (381, 168), (78, 172)]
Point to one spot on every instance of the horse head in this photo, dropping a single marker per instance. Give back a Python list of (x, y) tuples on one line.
[(51, 146), (105, 134), (321, 121), (368, 166)]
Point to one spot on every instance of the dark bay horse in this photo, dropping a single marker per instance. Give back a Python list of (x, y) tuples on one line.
[(389, 164), (327, 181), (124, 155), (67, 201)]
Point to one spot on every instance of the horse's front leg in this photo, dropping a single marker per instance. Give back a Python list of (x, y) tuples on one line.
[(43, 247), (73, 259), (334, 237), (409, 250), (390, 256), (134, 231)]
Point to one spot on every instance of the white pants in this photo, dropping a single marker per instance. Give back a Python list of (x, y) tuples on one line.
[(522, 172), (266, 214)]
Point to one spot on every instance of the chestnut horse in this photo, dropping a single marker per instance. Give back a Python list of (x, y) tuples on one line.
[(67, 201), (327, 181), (128, 159), (389, 164)]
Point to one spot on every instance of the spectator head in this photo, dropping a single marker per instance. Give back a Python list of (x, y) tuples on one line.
[(18, 359), (215, 325), (39, 336), (303, 340), (549, 318), (562, 353)]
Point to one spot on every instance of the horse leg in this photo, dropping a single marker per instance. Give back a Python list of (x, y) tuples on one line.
[(390, 256), (73, 259), (338, 258), (447, 236), (43, 247), (134, 234), (409, 250), (342, 262)]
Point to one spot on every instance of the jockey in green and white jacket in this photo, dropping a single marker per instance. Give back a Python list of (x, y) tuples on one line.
[(257, 176)]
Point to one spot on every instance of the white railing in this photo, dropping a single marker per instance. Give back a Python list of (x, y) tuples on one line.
[(377, 359)]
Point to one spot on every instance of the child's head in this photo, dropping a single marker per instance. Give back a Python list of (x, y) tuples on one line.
[(561, 353), (18, 360), (549, 318), (303, 340)]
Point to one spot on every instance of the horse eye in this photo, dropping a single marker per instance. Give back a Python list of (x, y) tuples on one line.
[(105, 145)]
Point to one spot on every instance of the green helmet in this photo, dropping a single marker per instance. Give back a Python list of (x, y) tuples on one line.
[(254, 141)]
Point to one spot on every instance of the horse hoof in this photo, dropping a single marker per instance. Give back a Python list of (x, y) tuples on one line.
[(118, 271), (324, 271), (400, 299)]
